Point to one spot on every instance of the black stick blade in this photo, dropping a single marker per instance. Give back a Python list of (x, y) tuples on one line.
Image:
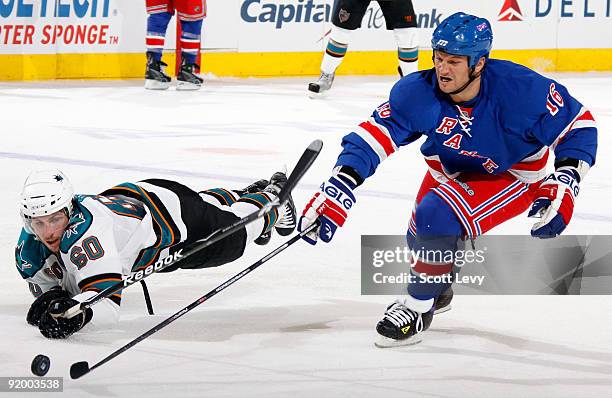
[(78, 369), (302, 166)]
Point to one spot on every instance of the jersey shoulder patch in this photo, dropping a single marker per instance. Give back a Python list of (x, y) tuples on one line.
[(80, 221), (30, 255)]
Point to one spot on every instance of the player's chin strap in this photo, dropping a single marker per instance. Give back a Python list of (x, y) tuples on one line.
[(473, 76)]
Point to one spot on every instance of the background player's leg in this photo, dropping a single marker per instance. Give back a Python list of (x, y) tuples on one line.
[(157, 24), (346, 17), (190, 46), (401, 18), (407, 50), (335, 51)]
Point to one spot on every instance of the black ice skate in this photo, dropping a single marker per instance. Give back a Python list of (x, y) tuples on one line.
[(258, 186), (155, 77), (402, 326), (186, 79), (322, 85), (443, 302), (287, 219)]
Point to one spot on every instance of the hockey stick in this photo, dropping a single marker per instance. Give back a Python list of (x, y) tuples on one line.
[(302, 166), (79, 369)]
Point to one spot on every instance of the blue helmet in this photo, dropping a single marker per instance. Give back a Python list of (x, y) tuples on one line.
[(464, 34)]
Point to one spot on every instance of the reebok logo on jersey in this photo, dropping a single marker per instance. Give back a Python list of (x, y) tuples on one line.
[(159, 264)]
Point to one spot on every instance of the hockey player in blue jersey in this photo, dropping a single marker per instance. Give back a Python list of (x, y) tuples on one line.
[(489, 126), (73, 246)]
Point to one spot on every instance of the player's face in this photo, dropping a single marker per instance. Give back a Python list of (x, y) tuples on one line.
[(452, 71), (50, 229)]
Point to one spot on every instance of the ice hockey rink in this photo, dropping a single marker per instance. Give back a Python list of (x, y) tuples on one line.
[(298, 326)]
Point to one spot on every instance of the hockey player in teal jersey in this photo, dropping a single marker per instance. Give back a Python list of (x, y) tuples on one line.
[(73, 246)]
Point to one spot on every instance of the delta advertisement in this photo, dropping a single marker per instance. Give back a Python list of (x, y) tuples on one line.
[(47, 26)]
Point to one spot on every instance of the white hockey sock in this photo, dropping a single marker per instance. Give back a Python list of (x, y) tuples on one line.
[(407, 49), (415, 304), (335, 51), (253, 230)]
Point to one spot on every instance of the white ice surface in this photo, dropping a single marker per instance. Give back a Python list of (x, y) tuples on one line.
[(297, 326)]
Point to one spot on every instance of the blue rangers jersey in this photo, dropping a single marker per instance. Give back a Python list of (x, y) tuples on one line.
[(510, 126)]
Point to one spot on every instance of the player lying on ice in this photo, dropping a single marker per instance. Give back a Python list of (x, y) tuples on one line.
[(74, 246), (489, 125)]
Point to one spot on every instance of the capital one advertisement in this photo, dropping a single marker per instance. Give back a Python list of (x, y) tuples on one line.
[(115, 26), (284, 25)]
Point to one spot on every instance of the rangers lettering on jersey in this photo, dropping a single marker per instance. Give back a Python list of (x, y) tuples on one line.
[(490, 166), (447, 125), (454, 142), (514, 126)]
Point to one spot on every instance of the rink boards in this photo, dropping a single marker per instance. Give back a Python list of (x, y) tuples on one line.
[(105, 38)]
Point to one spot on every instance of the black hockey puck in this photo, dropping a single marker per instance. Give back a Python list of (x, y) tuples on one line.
[(40, 365)]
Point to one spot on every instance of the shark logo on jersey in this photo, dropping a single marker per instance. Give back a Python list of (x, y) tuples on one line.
[(75, 221), (23, 264)]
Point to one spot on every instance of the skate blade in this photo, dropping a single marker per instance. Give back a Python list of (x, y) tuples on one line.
[(187, 86), (385, 342), (313, 95), (443, 309), (156, 85)]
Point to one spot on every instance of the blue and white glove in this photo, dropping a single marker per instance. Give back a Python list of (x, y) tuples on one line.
[(330, 205), (554, 203)]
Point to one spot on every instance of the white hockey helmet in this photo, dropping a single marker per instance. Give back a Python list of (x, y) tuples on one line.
[(45, 192)]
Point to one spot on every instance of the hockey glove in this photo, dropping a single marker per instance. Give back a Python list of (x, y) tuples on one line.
[(39, 306), (330, 205), (554, 203), (55, 327)]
